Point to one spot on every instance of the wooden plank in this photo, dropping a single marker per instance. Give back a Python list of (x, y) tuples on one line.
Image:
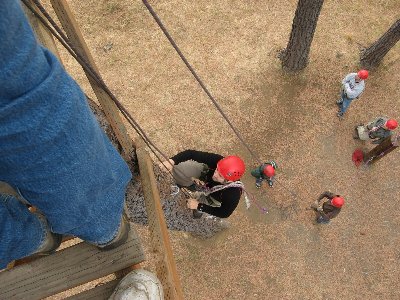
[(111, 111), (385, 147), (43, 35), (68, 268), (166, 266), (5, 188), (101, 292)]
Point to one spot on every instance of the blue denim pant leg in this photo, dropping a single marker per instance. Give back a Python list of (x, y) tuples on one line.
[(321, 220), (51, 146), (345, 104), (21, 232)]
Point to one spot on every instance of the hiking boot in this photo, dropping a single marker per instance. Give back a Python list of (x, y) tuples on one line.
[(139, 285), (52, 240), (121, 237), (259, 182), (340, 115)]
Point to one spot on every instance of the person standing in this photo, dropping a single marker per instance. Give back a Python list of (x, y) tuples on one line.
[(52, 151), (352, 87), (376, 130), (327, 207), (265, 172)]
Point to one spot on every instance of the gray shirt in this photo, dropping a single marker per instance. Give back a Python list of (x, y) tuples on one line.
[(352, 88)]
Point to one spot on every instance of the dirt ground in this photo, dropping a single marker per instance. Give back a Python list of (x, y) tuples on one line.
[(290, 118)]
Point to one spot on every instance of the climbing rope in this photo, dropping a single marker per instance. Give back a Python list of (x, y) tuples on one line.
[(63, 39), (200, 82)]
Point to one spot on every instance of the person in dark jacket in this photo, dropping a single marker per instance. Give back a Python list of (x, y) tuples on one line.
[(377, 130), (212, 178), (265, 172), (327, 206)]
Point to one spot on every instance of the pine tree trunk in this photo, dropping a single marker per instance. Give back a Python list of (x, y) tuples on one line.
[(295, 56), (373, 55)]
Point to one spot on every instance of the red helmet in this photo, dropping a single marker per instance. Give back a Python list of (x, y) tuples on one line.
[(231, 167), (363, 74), (337, 201), (391, 124), (269, 171)]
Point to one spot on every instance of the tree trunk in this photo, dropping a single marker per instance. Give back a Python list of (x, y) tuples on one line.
[(373, 55), (295, 56)]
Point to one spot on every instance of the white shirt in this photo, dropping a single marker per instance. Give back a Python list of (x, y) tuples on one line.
[(351, 87)]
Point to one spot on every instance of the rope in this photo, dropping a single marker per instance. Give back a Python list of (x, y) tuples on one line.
[(164, 30), (63, 39), (175, 46)]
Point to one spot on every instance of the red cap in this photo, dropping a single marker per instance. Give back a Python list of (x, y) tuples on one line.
[(391, 124), (337, 201), (363, 74), (231, 167), (269, 171)]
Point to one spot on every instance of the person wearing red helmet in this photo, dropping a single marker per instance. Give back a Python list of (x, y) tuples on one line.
[(352, 87), (265, 171), (327, 207), (377, 130), (213, 177)]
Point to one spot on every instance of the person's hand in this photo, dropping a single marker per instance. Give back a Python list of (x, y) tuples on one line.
[(167, 165), (197, 181), (320, 209), (192, 203)]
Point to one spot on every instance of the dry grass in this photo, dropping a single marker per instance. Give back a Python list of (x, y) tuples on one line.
[(289, 118)]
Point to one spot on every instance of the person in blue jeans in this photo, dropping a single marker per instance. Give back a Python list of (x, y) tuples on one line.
[(352, 87), (52, 151)]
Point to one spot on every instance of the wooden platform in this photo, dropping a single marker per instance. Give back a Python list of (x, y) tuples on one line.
[(69, 268)]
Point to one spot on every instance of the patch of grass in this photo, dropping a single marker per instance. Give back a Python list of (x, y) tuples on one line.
[(349, 39), (112, 7)]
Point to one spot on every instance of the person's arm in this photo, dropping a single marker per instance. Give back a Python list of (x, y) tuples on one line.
[(347, 78), (258, 172), (210, 159), (381, 135), (331, 214), (229, 199), (375, 124), (326, 194)]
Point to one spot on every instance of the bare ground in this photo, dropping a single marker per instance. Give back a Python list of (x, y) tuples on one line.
[(233, 45)]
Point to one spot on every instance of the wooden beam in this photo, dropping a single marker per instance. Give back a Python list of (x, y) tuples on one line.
[(166, 267), (111, 111), (100, 292), (384, 148), (68, 268), (43, 35)]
